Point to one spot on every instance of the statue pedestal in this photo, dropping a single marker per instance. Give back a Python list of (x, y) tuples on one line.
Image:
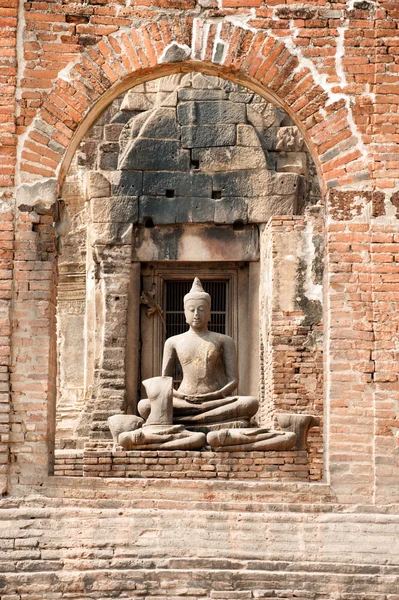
[(286, 466)]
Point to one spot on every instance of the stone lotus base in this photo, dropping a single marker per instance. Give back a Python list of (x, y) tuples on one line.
[(277, 466)]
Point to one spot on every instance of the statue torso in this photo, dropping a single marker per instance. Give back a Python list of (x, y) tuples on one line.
[(201, 358)]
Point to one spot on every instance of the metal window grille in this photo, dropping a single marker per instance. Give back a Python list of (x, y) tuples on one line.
[(174, 309)]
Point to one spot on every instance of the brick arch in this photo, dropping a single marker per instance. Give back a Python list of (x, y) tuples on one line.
[(260, 62)]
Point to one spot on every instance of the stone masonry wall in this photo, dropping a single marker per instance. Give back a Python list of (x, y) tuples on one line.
[(333, 66), (181, 149)]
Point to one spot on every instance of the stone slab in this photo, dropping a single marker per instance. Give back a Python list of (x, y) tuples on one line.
[(161, 124), (162, 155), (126, 183), (203, 136), (182, 184), (204, 113), (235, 158), (164, 211), (196, 243)]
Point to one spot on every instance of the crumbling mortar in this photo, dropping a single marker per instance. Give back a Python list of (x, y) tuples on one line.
[(320, 78)]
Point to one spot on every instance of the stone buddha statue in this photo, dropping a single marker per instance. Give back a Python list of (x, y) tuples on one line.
[(204, 409), (205, 397)]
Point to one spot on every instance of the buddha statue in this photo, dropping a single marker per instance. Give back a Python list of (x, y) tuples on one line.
[(210, 374), (205, 399)]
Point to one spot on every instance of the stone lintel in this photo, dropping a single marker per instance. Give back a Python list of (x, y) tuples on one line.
[(196, 243)]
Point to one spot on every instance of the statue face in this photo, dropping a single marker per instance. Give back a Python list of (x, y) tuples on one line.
[(198, 313)]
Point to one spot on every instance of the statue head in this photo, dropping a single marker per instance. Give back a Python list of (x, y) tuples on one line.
[(197, 292), (197, 306)]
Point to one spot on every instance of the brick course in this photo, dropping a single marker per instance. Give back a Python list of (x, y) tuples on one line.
[(276, 466)]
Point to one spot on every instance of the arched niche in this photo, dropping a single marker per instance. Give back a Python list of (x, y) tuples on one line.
[(182, 175)]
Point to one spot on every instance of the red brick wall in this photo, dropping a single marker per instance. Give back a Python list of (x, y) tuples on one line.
[(334, 70), (8, 142), (292, 381)]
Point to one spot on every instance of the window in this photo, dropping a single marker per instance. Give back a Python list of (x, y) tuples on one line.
[(233, 312)]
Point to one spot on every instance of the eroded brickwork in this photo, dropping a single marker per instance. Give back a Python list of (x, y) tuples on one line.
[(292, 323), (334, 68)]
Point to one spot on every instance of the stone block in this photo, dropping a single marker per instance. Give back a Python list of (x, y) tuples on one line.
[(132, 128), (247, 135), (87, 154), (112, 233), (236, 158), (181, 184), (199, 242), (164, 211), (231, 210), (261, 209), (136, 100), (257, 183), (289, 139), (108, 156), (96, 185), (205, 113), (112, 131), (116, 209), (149, 155), (241, 96), (166, 99), (197, 94), (126, 183), (204, 82), (271, 115), (208, 135), (161, 124), (292, 162)]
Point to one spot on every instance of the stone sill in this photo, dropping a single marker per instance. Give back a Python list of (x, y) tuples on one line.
[(287, 466)]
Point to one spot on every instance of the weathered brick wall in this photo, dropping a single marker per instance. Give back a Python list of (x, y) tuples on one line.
[(362, 349), (277, 466), (334, 68), (33, 367), (291, 323), (193, 545), (8, 143)]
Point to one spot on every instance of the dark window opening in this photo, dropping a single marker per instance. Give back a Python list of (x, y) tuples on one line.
[(149, 223)]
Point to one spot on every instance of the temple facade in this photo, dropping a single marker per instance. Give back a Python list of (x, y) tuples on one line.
[(199, 343)]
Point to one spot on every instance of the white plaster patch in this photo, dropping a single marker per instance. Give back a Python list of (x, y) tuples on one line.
[(340, 53), (44, 191), (321, 78), (20, 50), (390, 209), (313, 291), (65, 73), (241, 20)]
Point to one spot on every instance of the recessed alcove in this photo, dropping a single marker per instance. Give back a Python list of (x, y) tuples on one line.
[(183, 175)]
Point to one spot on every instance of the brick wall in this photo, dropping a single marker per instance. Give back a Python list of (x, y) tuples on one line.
[(193, 545), (8, 143), (334, 68), (291, 323)]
